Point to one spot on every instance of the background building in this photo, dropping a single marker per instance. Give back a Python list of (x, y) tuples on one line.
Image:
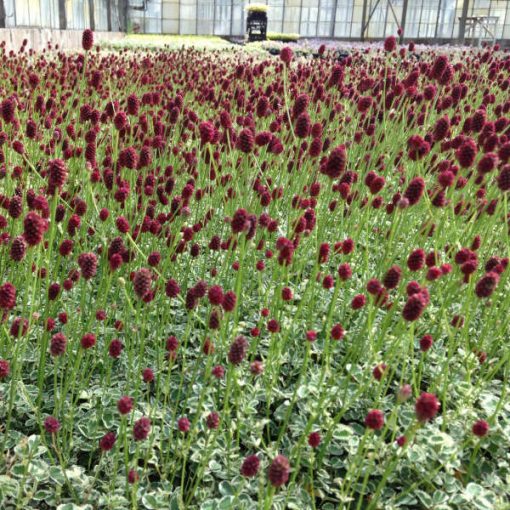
[(422, 20)]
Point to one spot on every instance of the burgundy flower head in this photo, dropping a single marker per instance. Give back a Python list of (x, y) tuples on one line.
[(183, 424), (213, 420), (250, 466), (238, 350), (336, 163), (142, 282), (125, 404), (480, 428), (34, 228), (7, 296), (5, 369), (279, 471), (314, 439), (51, 425), (427, 406), (286, 55), (88, 265), (88, 340), (141, 429), (107, 442), (375, 419), (87, 39), (58, 344), (390, 43)]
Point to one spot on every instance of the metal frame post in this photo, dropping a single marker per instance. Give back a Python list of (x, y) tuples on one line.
[(232, 18), (462, 23), (439, 7), (62, 19), (318, 22), (109, 16), (364, 20), (421, 17), (333, 19), (283, 15), (300, 15), (386, 18), (92, 17), (2, 14), (403, 21)]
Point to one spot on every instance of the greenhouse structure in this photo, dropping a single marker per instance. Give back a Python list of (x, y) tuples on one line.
[(439, 21)]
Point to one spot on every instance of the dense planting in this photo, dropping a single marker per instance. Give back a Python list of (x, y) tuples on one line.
[(234, 281)]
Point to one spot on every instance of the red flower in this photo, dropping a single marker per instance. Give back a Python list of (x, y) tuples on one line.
[(466, 153), (256, 367), (215, 295), (5, 368), (426, 342), (279, 471), (415, 190), (88, 340), (34, 228), (392, 277), (237, 351), (401, 441), (141, 429), (245, 141), (57, 175), (358, 301), (390, 43), (213, 420), (133, 476), (18, 249), (286, 55), (115, 348), (147, 375), (374, 287), (229, 301), (487, 284), (19, 327), (303, 125), (125, 404), (51, 425), (58, 344), (142, 282), (379, 370), (441, 128), (311, 336), (87, 39), (336, 163), (337, 332), (427, 406), (183, 424), (375, 419), (250, 466), (414, 307), (480, 428), (7, 296), (286, 294), (239, 221), (416, 260), (218, 371), (172, 288), (503, 178), (344, 271), (122, 224), (314, 439), (88, 265), (107, 442), (172, 343)]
